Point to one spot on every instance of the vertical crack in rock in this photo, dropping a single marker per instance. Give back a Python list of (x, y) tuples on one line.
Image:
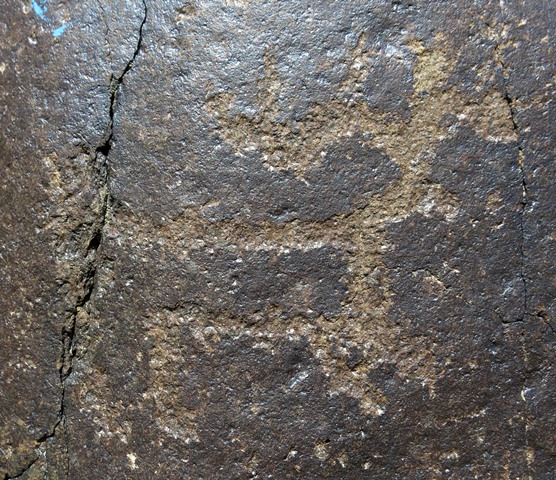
[(510, 101), (100, 160), (101, 154), (115, 84), (521, 165), (524, 200)]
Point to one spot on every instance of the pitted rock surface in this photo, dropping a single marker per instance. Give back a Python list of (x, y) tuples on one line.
[(262, 239)]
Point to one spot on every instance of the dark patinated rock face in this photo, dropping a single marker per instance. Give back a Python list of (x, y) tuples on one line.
[(262, 239)]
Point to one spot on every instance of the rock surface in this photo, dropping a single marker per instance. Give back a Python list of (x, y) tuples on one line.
[(262, 239)]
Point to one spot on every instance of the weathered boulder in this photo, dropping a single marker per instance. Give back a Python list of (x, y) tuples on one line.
[(277, 239)]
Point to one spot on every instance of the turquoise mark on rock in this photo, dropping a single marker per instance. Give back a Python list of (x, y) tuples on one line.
[(58, 31), (39, 9), (39, 6)]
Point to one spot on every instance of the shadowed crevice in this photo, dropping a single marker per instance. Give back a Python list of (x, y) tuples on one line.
[(99, 157), (521, 165)]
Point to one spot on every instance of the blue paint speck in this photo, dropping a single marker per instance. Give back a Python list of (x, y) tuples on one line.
[(39, 10), (39, 6), (58, 31)]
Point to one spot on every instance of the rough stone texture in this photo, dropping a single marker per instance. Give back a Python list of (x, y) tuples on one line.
[(277, 239)]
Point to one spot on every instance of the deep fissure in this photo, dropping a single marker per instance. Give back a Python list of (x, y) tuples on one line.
[(95, 242), (68, 338)]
